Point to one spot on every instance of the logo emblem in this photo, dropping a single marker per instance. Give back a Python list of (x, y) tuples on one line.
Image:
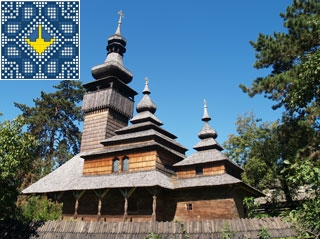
[(40, 40)]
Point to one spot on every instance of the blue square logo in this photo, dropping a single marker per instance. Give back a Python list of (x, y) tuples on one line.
[(40, 40)]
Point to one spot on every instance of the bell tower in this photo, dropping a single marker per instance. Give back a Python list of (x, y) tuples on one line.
[(108, 103)]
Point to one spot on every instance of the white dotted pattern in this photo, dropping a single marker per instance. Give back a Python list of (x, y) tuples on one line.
[(59, 21)]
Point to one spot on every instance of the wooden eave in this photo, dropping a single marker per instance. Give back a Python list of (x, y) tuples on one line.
[(255, 192), (107, 82), (216, 181), (132, 148), (142, 127), (142, 136)]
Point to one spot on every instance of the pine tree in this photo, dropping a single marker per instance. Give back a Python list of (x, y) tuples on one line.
[(294, 58), (54, 120)]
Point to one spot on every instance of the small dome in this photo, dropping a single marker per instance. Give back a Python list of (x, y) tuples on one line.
[(146, 103)]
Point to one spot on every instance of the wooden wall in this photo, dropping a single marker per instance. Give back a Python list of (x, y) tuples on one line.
[(206, 204), (206, 210), (99, 125), (94, 130), (137, 162), (208, 169)]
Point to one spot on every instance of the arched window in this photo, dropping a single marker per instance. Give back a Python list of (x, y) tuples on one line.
[(125, 164), (115, 165)]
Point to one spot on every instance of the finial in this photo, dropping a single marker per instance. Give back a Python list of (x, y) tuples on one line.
[(146, 87), (205, 116), (119, 22)]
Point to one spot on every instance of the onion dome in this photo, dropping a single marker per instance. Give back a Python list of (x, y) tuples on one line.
[(146, 103), (113, 65)]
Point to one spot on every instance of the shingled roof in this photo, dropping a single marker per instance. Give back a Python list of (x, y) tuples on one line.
[(143, 133), (57, 182), (208, 149)]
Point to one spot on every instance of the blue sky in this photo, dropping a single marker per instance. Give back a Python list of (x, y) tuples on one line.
[(190, 51)]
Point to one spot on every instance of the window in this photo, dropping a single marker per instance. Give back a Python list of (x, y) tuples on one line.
[(125, 164), (199, 170), (189, 207), (115, 165)]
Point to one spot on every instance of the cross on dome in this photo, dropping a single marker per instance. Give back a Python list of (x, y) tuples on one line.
[(119, 22)]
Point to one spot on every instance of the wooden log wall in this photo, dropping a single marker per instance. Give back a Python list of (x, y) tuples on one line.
[(94, 130), (207, 203), (208, 169), (106, 111), (206, 210), (108, 98), (137, 162)]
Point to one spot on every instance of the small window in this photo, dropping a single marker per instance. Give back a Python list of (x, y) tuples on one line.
[(199, 170), (125, 164), (189, 207), (115, 165)]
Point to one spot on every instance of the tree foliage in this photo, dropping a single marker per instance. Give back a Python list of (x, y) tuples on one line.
[(307, 172), (54, 120), (293, 58), (253, 149), (39, 208), (16, 156), (265, 151)]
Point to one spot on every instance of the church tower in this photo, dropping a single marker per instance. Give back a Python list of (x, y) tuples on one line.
[(109, 102)]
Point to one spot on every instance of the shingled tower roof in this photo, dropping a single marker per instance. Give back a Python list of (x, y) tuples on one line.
[(113, 64), (207, 135), (208, 149), (145, 126)]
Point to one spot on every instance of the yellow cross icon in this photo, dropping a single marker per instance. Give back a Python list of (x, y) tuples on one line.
[(40, 45)]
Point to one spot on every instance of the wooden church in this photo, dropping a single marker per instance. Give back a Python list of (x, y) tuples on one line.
[(138, 171)]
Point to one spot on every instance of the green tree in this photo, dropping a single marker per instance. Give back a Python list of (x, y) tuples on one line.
[(254, 149), (307, 173), (16, 156), (54, 120), (293, 83), (293, 58), (264, 149), (39, 208)]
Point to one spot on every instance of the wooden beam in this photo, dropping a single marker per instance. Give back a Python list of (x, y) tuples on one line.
[(154, 207), (77, 195), (100, 194), (154, 192), (126, 194)]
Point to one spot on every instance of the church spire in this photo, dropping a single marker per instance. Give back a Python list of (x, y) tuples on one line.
[(109, 101), (113, 65), (206, 131), (146, 108), (205, 116), (118, 31), (207, 135)]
